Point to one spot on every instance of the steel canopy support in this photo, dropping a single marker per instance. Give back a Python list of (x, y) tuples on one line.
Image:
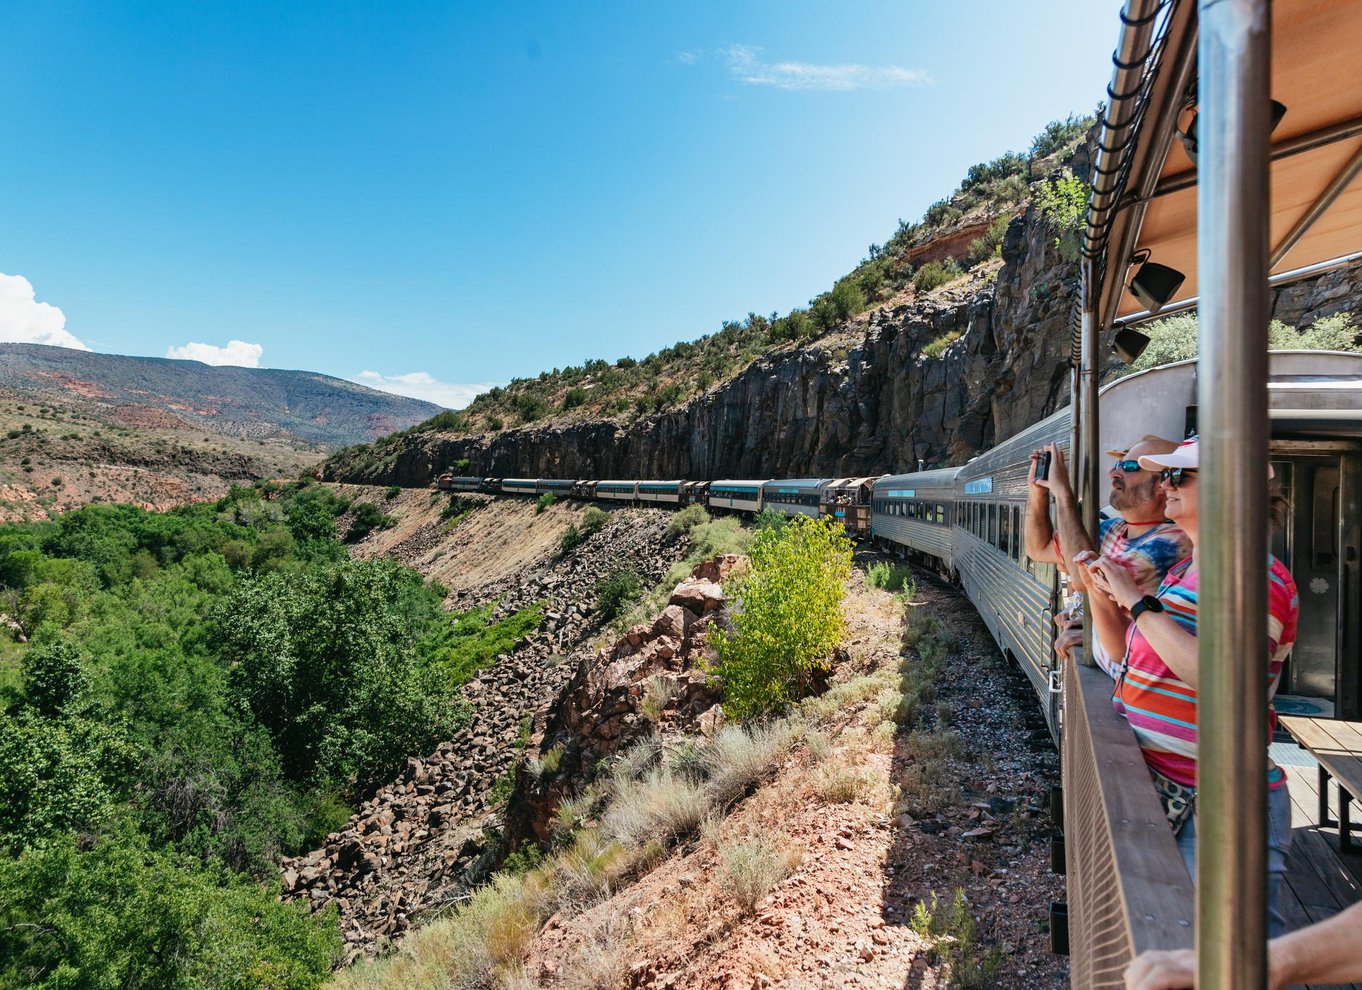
[(1087, 466), (1232, 212)]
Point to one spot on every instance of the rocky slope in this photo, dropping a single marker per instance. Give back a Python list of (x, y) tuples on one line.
[(420, 842)]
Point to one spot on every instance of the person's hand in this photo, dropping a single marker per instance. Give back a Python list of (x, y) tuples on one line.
[(1031, 473), (1070, 634), (1059, 472), (1113, 579), (1159, 970)]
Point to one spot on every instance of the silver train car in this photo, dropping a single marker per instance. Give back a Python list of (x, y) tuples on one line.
[(795, 497), (915, 511), (968, 520)]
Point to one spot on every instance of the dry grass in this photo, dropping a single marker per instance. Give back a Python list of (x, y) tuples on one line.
[(738, 758), (838, 783), (660, 806), (751, 868)]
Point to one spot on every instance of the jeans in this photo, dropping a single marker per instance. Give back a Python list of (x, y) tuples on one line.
[(1278, 845)]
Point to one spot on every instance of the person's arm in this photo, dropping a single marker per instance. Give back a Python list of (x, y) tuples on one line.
[(1175, 646), (1326, 952), (1038, 536), (1073, 537)]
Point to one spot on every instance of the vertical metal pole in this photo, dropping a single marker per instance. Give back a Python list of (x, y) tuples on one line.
[(1087, 466), (1232, 258)]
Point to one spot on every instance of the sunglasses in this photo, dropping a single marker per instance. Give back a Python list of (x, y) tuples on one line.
[(1174, 477), (1127, 467)]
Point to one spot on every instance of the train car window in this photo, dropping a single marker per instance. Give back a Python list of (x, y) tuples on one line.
[(1005, 531), (1016, 529), (940, 513)]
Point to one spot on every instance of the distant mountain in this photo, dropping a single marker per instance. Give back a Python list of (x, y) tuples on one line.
[(252, 403)]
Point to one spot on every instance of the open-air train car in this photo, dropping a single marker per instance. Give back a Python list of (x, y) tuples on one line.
[(1251, 201)]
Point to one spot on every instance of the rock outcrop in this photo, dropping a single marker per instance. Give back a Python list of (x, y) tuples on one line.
[(651, 681)]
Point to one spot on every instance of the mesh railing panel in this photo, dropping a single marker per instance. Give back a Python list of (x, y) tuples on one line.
[(1127, 888)]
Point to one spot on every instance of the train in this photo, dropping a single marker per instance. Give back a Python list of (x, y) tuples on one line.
[(965, 522)]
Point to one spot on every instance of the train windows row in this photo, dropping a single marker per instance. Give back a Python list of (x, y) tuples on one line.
[(928, 512)]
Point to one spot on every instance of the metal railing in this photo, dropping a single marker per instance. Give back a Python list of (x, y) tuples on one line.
[(1127, 888)]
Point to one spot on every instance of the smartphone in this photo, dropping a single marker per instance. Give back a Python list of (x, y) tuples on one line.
[(1043, 466)]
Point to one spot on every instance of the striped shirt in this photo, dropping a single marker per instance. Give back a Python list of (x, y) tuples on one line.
[(1148, 556), (1162, 708)]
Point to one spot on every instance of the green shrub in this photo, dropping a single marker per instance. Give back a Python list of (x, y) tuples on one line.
[(950, 929), (119, 914), (890, 576), (617, 591), (789, 617), (937, 347), (574, 398), (1175, 338), (684, 520), (1063, 203), (593, 520), (769, 519), (366, 518), (543, 502), (1059, 134), (986, 246), (473, 640), (391, 492), (935, 273)]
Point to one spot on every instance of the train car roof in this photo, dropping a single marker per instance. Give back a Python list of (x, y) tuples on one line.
[(1315, 206), (799, 482), (937, 477), (739, 481)]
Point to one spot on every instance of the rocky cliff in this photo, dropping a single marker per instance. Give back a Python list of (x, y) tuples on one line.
[(863, 401)]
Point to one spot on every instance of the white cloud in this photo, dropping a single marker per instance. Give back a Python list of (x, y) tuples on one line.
[(687, 58), (237, 352), (422, 385), (24, 320), (745, 64)]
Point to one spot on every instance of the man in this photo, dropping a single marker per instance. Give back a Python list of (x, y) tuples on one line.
[(1140, 537)]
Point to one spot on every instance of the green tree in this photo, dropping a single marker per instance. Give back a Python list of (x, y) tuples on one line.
[(789, 615), (328, 662), (123, 915)]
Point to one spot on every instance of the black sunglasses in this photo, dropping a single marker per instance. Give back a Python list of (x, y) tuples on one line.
[(1127, 467), (1176, 476)]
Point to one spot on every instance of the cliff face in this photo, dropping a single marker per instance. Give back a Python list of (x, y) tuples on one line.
[(862, 402)]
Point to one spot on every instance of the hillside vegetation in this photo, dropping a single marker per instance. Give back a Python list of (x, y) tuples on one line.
[(906, 265), (186, 697)]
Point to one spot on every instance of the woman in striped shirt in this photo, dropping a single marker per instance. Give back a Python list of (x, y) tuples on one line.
[(1158, 683)]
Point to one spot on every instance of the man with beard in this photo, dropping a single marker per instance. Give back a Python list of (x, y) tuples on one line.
[(1140, 537)]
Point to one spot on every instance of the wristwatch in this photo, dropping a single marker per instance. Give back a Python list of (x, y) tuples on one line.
[(1146, 604)]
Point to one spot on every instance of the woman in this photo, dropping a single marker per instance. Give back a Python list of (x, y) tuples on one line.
[(1156, 690)]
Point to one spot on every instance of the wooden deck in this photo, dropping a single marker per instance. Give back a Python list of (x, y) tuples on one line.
[(1319, 881)]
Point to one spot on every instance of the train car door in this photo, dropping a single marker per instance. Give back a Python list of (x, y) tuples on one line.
[(1319, 542)]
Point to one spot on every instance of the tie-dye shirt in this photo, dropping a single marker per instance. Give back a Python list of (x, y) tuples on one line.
[(1149, 557), (1160, 706)]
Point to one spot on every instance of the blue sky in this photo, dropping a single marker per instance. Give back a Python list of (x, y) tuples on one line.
[(463, 193)]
